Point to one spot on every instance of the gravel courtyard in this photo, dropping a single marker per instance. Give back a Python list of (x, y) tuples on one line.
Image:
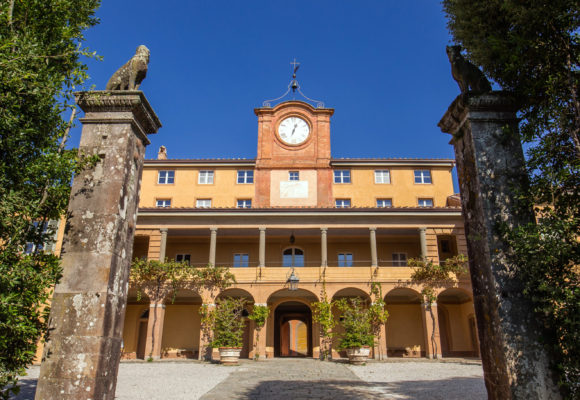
[(293, 379)]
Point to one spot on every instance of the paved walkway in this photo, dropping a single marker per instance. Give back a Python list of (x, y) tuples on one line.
[(298, 379), (292, 379)]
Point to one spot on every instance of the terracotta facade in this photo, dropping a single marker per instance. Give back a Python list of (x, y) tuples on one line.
[(293, 220)]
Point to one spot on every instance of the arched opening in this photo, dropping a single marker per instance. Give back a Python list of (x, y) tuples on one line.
[(293, 330), (454, 308), (405, 337), (338, 329), (247, 339), (293, 257), (181, 326), (142, 334)]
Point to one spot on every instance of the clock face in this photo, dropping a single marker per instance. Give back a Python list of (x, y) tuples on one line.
[(293, 130)]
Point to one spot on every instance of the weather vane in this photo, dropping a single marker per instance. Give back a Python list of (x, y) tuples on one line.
[(295, 66), (295, 87)]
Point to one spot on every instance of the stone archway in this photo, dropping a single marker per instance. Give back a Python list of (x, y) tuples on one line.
[(290, 330), (454, 307), (405, 332), (248, 339), (348, 292)]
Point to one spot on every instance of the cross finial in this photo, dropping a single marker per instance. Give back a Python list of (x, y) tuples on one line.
[(295, 66)]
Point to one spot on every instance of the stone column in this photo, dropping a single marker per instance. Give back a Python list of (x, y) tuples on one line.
[(82, 354), (212, 245), (323, 248), (490, 166), (373, 237), (431, 330), (262, 250), (423, 239), (163, 245), (155, 325), (261, 341)]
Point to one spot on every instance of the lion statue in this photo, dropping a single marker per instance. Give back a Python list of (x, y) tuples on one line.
[(130, 75), (465, 73)]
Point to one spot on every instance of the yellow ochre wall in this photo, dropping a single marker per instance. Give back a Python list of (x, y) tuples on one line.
[(404, 192), (182, 328), (362, 191), (405, 326), (131, 328)]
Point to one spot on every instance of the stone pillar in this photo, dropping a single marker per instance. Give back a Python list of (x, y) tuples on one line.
[(431, 330), (323, 248), (423, 239), (163, 245), (205, 337), (373, 237), (81, 356), (212, 245), (491, 173), (155, 325), (261, 341), (262, 250)]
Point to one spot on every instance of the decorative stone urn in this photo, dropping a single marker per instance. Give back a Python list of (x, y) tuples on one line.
[(358, 355), (230, 355)]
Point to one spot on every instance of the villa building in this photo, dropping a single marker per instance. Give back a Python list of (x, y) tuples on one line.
[(295, 208)]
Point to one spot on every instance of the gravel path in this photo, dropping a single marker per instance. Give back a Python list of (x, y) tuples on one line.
[(292, 379), (425, 380), (162, 380)]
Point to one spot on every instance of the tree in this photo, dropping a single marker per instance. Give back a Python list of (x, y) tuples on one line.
[(432, 276), (323, 316), (159, 280), (40, 65), (531, 49)]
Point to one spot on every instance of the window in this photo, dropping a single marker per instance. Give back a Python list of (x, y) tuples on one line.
[(382, 176), (293, 176), (163, 203), (203, 203), (425, 202), (342, 203), (165, 177), (205, 177), (345, 259), (293, 257), (445, 246), (245, 176), (384, 203), (422, 176), (342, 176), (399, 259), (31, 247), (185, 258), (241, 260), (245, 203)]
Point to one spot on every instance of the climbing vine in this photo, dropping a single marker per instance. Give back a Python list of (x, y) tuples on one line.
[(259, 315), (322, 314)]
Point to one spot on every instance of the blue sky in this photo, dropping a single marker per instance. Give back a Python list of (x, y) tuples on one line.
[(380, 64)]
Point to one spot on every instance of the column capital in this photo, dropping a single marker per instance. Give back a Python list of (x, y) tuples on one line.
[(213, 228), (372, 228), (422, 229), (262, 228), (163, 230), (323, 229)]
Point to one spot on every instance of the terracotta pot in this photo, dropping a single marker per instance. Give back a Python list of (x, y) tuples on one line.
[(358, 355), (230, 355)]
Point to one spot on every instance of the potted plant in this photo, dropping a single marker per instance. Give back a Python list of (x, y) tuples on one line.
[(228, 329), (358, 337)]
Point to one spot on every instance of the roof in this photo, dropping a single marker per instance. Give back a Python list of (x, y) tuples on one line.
[(334, 161)]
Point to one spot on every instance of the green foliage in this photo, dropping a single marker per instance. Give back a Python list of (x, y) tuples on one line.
[(531, 48), (357, 323), (378, 309), (40, 65), (322, 314), (432, 276), (259, 315), (228, 322)]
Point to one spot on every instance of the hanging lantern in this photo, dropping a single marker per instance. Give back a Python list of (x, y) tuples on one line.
[(292, 281)]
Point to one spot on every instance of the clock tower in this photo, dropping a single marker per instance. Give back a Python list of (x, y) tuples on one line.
[(293, 162)]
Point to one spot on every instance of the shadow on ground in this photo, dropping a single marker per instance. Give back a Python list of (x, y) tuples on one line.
[(443, 389), (27, 389)]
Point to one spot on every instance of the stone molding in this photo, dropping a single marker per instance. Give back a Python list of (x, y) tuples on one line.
[(97, 105)]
